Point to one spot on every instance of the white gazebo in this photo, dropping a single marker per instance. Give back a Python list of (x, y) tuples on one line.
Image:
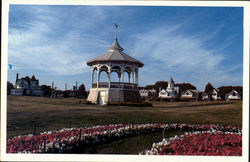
[(115, 61)]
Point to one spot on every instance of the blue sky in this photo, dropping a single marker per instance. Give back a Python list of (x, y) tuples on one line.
[(191, 44)]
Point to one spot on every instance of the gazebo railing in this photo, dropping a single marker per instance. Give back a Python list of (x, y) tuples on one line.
[(114, 85)]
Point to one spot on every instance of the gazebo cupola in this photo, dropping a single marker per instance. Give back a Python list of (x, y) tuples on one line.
[(114, 61)]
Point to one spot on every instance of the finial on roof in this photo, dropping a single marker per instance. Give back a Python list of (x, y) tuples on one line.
[(116, 27), (115, 45)]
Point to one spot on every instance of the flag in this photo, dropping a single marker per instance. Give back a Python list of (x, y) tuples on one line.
[(10, 66)]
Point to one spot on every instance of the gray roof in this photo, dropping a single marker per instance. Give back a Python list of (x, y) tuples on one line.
[(115, 54)]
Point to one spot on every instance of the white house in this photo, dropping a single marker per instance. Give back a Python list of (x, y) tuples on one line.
[(164, 94), (170, 92), (147, 93), (233, 95), (216, 94), (143, 93)]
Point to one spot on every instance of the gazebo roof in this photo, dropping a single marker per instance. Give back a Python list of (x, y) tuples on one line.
[(115, 54)]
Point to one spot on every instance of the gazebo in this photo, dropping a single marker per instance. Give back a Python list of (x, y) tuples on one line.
[(119, 91)]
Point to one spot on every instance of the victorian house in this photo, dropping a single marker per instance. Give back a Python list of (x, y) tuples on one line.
[(26, 86)]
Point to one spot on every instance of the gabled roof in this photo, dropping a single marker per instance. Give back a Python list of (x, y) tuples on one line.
[(33, 78), (115, 54)]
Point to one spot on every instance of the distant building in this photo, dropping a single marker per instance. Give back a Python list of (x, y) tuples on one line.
[(233, 95), (143, 92), (226, 92), (216, 94), (170, 92), (204, 96), (190, 95), (147, 93), (27, 86)]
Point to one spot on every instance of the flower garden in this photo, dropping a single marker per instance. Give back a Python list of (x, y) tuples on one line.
[(216, 140)]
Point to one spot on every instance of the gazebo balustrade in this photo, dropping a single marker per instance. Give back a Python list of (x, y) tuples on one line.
[(114, 85)]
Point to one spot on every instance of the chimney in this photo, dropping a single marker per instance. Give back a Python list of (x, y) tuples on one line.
[(16, 76), (52, 84)]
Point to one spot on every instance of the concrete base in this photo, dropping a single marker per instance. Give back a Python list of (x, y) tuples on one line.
[(104, 96)]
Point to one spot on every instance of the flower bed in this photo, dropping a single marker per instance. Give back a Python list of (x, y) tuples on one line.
[(209, 143), (68, 139)]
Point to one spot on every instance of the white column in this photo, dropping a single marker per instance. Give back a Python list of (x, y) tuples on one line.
[(136, 75), (122, 70), (98, 77), (92, 77), (133, 75), (129, 77), (108, 72)]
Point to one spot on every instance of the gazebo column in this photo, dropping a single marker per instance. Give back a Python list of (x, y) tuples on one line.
[(133, 75), (98, 78), (108, 73), (119, 76), (122, 78), (122, 70), (129, 77), (136, 76), (92, 77)]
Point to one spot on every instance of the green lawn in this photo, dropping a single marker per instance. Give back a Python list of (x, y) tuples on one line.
[(24, 112)]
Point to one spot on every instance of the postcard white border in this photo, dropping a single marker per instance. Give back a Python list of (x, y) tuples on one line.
[(71, 157)]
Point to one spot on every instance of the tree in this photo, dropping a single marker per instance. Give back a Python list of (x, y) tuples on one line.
[(46, 90), (209, 90), (66, 93), (9, 87), (81, 92)]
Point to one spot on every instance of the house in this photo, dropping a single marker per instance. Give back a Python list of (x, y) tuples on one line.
[(216, 94), (204, 96), (27, 86), (190, 95), (170, 92), (147, 93), (143, 92), (233, 95), (224, 90)]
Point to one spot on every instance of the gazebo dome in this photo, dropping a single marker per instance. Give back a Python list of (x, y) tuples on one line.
[(115, 54)]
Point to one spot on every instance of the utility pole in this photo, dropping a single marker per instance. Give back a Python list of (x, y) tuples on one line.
[(76, 88), (65, 86)]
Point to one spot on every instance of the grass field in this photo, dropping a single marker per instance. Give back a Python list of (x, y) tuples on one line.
[(24, 112), (27, 114)]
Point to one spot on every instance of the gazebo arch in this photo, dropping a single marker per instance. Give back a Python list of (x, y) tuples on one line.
[(114, 77)]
